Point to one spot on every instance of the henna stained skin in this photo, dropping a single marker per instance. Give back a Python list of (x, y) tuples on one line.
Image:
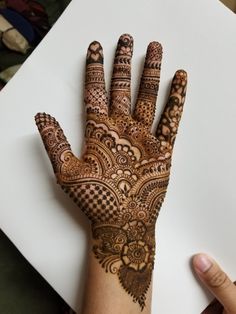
[(121, 180)]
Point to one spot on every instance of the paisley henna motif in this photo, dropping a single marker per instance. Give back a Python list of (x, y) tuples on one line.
[(121, 180)]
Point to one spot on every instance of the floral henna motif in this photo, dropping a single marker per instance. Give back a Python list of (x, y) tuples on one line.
[(121, 180)]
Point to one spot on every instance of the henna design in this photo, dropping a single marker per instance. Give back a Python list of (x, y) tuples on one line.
[(149, 85), (169, 122), (95, 93), (120, 83), (121, 180)]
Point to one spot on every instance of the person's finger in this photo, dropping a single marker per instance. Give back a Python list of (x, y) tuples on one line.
[(170, 118), (96, 100), (216, 280), (64, 163), (121, 77), (149, 85)]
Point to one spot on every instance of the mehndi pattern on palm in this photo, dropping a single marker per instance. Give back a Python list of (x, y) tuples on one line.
[(121, 180)]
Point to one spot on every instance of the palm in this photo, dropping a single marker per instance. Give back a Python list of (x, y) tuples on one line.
[(121, 180), (125, 177)]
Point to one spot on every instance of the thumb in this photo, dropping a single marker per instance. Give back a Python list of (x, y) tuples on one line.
[(216, 280), (54, 140)]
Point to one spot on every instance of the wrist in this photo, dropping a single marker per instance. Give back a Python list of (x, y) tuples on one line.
[(128, 251), (104, 293)]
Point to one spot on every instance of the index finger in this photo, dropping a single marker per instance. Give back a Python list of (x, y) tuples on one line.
[(216, 280)]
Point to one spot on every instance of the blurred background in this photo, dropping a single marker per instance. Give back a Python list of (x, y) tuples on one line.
[(23, 24)]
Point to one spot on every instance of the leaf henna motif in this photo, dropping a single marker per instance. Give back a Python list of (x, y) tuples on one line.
[(121, 180), (136, 283)]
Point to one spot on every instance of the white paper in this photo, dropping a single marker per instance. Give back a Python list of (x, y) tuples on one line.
[(199, 212)]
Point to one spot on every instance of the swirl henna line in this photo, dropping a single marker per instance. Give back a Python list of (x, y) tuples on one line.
[(121, 180), (105, 160), (125, 125), (106, 126)]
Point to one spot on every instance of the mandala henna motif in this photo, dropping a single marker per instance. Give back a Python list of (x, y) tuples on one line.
[(121, 180)]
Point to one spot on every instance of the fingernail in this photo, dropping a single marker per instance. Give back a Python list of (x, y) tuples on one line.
[(202, 262)]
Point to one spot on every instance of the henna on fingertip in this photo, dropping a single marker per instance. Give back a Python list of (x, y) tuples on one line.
[(121, 77), (146, 102)]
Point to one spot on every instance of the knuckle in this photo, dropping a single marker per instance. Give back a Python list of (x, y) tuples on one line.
[(219, 280)]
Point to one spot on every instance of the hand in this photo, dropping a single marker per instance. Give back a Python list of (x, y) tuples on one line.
[(121, 180), (216, 280)]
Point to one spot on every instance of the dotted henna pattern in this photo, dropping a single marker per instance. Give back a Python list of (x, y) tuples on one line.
[(121, 180)]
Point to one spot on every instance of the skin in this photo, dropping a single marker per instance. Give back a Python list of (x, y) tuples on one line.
[(103, 293), (218, 283), (121, 179), (116, 138)]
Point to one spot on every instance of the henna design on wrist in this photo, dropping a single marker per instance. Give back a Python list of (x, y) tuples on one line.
[(121, 180)]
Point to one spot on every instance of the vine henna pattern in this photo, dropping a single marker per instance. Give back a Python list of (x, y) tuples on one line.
[(121, 180)]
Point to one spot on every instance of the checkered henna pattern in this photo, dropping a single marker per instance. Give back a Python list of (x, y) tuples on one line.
[(95, 200), (120, 181)]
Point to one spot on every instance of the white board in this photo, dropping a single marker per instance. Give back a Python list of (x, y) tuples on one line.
[(199, 212)]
